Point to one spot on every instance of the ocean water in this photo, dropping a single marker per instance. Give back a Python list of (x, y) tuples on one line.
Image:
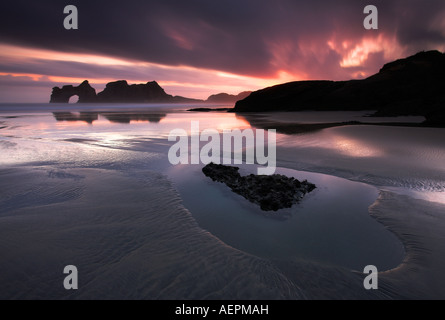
[(91, 185)]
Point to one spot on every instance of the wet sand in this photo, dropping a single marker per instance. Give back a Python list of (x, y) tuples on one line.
[(124, 248), (98, 197)]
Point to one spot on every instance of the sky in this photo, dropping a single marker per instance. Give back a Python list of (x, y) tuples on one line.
[(195, 48)]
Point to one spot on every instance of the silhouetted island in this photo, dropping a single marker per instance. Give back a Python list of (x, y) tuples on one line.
[(272, 192), (84, 91), (121, 92), (227, 98), (411, 86), (117, 92)]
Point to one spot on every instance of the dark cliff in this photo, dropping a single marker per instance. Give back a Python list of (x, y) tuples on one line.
[(227, 98), (411, 86)]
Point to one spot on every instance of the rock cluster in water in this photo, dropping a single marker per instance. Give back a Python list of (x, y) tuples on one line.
[(271, 193)]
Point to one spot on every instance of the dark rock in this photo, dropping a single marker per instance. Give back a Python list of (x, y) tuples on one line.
[(85, 92), (210, 109), (227, 98), (435, 116), (411, 86), (271, 193), (118, 92)]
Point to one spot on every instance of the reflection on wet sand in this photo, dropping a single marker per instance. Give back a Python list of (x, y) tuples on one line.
[(114, 117), (262, 121), (88, 117), (128, 117)]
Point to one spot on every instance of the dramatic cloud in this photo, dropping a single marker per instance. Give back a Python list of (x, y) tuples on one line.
[(251, 42)]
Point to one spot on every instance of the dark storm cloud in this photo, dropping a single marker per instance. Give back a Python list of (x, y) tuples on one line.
[(249, 37), (78, 69)]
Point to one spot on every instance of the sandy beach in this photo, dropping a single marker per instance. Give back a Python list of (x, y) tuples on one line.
[(101, 196)]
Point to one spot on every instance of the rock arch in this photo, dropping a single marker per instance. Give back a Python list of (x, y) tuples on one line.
[(85, 92)]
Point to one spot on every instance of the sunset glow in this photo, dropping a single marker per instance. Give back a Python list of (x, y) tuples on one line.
[(200, 83), (359, 53), (199, 50)]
